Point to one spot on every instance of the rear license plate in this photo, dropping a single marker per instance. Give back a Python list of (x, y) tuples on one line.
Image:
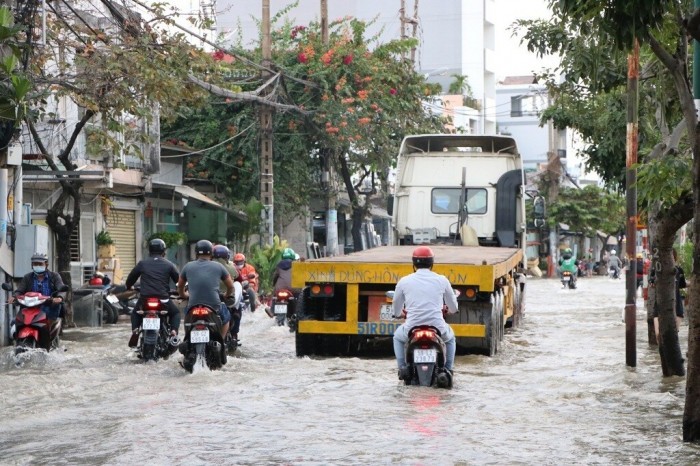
[(566, 278), (386, 312), (112, 299), (151, 324), (281, 309), (424, 355), (199, 336)]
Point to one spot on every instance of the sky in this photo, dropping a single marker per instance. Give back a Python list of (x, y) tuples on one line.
[(513, 59)]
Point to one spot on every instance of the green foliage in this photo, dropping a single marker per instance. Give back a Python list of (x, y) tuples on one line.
[(265, 260), (14, 83), (664, 180), (685, 257), (170, 238), (103, 238), (588, 210)]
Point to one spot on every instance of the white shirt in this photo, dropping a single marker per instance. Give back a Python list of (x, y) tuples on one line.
[(423, 294)]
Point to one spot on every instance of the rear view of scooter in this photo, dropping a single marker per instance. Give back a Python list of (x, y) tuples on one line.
[(425, 358)]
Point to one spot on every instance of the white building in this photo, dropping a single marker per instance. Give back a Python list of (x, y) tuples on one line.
[(456, 37), (520, 101)]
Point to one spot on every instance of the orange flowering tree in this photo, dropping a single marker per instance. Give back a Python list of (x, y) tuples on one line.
[(363, 97)]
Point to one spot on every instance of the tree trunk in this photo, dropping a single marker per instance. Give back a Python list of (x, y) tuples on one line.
[(63, 225), (358, 212), (691, 413)]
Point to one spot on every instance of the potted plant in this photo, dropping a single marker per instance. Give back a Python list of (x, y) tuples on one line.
[(105, 245)]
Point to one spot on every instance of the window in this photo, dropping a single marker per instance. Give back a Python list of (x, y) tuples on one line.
[(522, 105), (446, 201)]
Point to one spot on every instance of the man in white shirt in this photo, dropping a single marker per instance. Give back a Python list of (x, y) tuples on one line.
[(423, 293)]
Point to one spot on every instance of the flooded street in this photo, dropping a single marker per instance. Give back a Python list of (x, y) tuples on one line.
[(558, 393)]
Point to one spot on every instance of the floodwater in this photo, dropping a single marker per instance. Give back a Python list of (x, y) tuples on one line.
[(557, 393)]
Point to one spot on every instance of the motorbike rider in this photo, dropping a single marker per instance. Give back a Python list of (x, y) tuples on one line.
[(203, 277), (615, 263), (422, 293), (282, 276), (155, 273), (568, 263), (245, 270), (42, 280), (220, 254)]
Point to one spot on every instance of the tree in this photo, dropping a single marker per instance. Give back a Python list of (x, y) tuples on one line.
[(594, 29), (348, 105), (588, 210), (131, 73)]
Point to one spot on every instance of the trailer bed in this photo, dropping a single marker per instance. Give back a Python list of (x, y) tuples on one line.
[(444, 254)]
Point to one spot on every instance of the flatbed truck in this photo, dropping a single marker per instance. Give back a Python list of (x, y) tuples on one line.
[(463, 197)]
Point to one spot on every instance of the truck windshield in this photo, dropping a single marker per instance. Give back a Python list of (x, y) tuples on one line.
[(446, 201)]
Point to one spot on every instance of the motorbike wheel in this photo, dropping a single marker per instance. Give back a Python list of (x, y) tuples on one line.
[(148, 353), (107, 314), (280, 320), (24, 344)]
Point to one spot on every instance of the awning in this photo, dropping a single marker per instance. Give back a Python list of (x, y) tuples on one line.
[(186, 191)]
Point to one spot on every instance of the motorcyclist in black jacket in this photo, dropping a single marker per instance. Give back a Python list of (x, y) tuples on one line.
[(155, 273)]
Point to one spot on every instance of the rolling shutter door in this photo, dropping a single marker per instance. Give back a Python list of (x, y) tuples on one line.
[(121, 225)]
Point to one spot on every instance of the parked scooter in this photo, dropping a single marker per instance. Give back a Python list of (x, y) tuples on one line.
[(425, 358), (155, 341), (203, 340), (30, 320)]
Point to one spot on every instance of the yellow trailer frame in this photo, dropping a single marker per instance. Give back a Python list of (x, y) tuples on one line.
[(484, 267)]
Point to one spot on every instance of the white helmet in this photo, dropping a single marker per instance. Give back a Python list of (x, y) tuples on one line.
[(612, 252)]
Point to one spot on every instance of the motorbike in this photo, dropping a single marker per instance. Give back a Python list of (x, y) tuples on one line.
[(235, 305), (203, 340), (613, 273), (155, 341), (30, 319), (425, 358), (283, 308), (568, 280)]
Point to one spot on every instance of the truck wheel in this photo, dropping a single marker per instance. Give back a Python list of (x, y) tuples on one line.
[(306, 343), (492, 332)]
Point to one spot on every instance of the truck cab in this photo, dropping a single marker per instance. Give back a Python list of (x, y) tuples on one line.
[(459, 189)]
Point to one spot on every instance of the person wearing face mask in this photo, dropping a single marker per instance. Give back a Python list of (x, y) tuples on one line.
[(44, 281)]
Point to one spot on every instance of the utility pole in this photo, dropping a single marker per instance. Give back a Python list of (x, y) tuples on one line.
[(405, 21), (266, 173), (631, 181), (331, 210)]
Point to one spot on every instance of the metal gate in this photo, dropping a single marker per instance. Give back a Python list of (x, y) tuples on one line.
[(121, 225)]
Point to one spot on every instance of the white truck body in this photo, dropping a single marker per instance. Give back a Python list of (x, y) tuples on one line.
[(429, 185)]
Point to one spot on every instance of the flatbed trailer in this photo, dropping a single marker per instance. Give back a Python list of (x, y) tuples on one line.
[(343, 305)]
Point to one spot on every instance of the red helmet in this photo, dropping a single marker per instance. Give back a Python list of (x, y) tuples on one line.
[(238, 257), (423, 257)]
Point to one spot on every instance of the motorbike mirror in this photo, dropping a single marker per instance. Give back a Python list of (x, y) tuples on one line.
[(251, 276), (7, 287)]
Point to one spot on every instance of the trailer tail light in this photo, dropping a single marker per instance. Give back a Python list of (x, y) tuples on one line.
[(322, 290), (469, 293)]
